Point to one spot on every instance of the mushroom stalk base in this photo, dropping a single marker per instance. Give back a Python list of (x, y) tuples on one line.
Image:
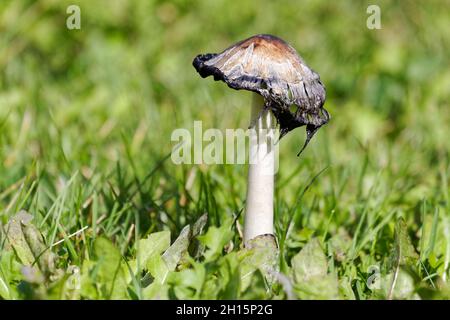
[(258, 218)]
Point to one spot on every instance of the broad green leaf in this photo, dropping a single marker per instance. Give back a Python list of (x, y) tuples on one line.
[(154, 244), (108, 273), (189, 283), (257, 289), (215, 239), (230, 277), (310, 262), (403, 252), (310, 273), (404, 286), (156, 291), (403, 255), (318, 288), (158, 268), (10, 273), (88, 281)]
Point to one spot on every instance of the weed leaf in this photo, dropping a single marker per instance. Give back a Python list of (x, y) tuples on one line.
[(154, 244), (403, 255), (107, 273), (310, 273)]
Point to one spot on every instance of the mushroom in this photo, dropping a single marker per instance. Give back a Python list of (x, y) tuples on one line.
[(291, 92)]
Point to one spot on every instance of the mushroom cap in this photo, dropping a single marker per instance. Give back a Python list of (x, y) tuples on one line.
[(269, 66)]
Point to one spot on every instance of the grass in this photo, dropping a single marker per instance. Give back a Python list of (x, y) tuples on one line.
[(85, 123)]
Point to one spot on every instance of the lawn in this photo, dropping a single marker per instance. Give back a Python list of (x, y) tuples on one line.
[(93, 207)]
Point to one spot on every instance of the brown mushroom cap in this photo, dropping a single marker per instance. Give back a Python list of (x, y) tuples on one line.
[(269, 66)]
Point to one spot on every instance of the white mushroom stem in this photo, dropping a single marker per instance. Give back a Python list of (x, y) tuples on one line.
[(258, 218)]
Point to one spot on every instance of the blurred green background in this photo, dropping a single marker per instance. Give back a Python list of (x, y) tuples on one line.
[(88, 114)]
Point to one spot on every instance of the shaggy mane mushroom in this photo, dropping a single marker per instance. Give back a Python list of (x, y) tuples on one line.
[(291, 92)]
